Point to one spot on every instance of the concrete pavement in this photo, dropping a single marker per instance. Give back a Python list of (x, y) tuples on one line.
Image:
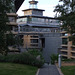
[(48, 70)]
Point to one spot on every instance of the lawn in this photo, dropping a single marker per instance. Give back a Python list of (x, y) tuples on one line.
[(68, 70), (17, 69)]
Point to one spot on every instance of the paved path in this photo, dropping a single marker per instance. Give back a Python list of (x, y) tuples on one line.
[(48, 70)]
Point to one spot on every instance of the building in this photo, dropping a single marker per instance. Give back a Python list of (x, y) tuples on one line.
[(12, 24), (38, 31), (68, 48), (13, 28)]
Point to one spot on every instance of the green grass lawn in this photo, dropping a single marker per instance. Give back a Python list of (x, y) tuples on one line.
[(68, 70), (16, 69)]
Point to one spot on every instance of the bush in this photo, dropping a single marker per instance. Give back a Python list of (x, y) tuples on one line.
[(38, 55), (39, 63), (54, 58), (22, 58), (35, 53)]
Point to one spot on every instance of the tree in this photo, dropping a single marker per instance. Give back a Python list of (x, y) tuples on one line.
[(66, 13), (5, 7)]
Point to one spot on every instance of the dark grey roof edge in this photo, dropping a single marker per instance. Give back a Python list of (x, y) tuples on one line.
[(37, 16), (33, 9), (43, 26)]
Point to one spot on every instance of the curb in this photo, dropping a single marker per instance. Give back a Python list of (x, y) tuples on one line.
[(59, 70), (37, 73)]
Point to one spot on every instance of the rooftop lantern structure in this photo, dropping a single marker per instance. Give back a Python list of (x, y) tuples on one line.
[(33, 4)]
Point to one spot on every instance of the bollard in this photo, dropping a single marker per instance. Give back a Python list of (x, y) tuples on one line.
[(59, 60)]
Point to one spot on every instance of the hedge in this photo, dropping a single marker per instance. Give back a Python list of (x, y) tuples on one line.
[(22, 58)]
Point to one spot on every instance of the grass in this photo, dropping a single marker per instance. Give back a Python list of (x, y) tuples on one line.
[(17, 69), (68, 70)]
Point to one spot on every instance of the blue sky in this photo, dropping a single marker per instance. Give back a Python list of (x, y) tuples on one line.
[(47, 5)]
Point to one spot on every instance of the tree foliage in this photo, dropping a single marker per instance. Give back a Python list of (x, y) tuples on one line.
[(5, 7), (66, 13)]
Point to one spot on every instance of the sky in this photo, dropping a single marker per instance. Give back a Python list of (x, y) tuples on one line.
[(47, 5)]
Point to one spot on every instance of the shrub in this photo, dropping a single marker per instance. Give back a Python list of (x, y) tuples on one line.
[(54, 58), (22, 58), (35, 53), (2, 58), (39, 63), (38, 55)]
